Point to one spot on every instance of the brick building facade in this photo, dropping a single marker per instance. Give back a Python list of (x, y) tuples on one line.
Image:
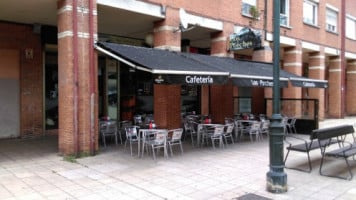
[(321, 46)]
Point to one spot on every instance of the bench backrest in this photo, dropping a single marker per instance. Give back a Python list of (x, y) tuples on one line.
[(332, 132)]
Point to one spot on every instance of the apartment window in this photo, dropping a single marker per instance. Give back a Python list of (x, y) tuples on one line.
[(351, 28), (284, 13), (331, 20), (310, 12), (247, 5)]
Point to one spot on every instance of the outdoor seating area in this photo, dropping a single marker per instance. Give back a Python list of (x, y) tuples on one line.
[(141, 137)]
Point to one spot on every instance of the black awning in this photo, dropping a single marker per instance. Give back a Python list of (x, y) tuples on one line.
[(167, 66), (256, 74), (299, 81), (170, 67), (242, 73)]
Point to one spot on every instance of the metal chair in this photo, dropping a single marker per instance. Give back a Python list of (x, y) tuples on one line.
[(265, 127), (229, 128), (131, 136), (138, 120), (215, 133), (175, 138), (121, 128), (157, 142), (255, 129), (108, 129), (291, 125), (189, 129)]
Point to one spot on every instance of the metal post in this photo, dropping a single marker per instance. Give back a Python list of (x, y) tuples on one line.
[(276, 177)]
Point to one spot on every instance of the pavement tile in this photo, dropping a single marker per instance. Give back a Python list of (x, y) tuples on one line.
[(36, 171)]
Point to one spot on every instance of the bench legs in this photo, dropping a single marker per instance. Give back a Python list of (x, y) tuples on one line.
[(335, 176), (300, 169)]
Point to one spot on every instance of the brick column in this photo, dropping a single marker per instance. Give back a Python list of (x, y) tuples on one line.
[(77, 77), (204, 96), (351, 88), (167, 98), (265, 55), (221, 102), (293, 64), (334, 90), (165, 32), (166, 106), (317, 71), (221, 96)]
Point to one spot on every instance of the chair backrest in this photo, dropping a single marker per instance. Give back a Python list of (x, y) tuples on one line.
[(229, 120), (126, 123), (176, 134), (218, 130), (255, 125), (131, 132), (293, 120), (138, 119), (108, 127), (102, 126), (265, 124), (229, 128), (160, 136)]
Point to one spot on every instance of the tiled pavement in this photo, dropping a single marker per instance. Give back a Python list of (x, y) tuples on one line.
[(31, 169)]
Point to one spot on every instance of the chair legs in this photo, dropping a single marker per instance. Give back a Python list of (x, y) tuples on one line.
[(104, 139), (170, 144), (153, 147), (220, 139), (257, 137), (228, 136)]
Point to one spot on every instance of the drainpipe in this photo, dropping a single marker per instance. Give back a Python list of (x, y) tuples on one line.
[(342, 57), (75, 73), (91, 77)]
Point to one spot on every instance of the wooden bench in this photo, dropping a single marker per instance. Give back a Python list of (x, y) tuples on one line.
[(305, 146), (344, 150)]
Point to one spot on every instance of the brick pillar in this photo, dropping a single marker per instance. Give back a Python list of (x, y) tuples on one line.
[(293, 64), (77, 77), (166, 106), (351, 88), (221, 96), (334, 90), (265, 55), (165, 32), (167, 98), (219, 44), (204, 100), (221, 102), (317, 71)]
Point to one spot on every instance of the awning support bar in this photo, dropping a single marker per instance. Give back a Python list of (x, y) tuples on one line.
[(121, 59)]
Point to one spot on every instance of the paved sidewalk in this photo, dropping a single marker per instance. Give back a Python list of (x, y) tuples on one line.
[(31, 169)]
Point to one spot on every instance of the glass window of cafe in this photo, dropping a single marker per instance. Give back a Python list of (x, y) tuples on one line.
[(190, 99), (133, 91)]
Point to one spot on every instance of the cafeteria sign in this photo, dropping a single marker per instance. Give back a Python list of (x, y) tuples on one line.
[(245, 39), (191, 79)]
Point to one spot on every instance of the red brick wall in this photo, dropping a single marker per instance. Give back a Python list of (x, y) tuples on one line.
[(351, 89), (166, 106), (77, 102), (165, 34), (21, 37), (334, 89), (221, 105), (317, 71)]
